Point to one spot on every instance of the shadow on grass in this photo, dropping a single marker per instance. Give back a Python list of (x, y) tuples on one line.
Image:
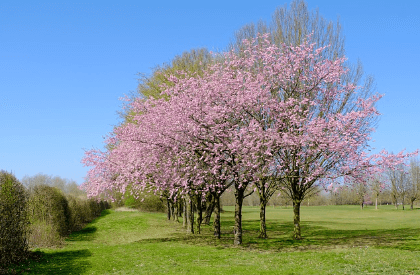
[(62, 262), (87, 233), (319, 236), (316, 236), (103, 214)]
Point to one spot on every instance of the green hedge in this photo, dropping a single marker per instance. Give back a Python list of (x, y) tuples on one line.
[(145, 202), (14, 223), (54, 215)]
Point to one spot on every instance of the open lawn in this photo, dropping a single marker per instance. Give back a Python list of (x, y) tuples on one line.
[(337, 240)]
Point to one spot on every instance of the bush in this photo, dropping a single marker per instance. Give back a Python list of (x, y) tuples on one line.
[(54, 215), (13, 220), (78, 217), (49, 215), (145, 202)]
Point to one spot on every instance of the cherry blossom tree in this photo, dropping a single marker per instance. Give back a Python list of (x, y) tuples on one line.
[(270, 112)]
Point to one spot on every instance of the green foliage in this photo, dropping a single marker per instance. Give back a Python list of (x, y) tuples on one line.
[(13, 220), (49, 214), (145, 202), (188, 64), (54, 215), (193, 62)]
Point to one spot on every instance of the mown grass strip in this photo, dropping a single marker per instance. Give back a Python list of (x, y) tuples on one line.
[(337, 240)]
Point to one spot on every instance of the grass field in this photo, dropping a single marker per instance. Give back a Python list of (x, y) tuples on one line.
[(337, 240)]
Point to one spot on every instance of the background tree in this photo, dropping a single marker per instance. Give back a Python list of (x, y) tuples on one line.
[(400, 184), (188, 64), (69, 187), (360, 190), (413, 192), (291, 26), (376, 186)]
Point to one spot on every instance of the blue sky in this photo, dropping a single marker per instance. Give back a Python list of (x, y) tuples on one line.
[(63, 67)]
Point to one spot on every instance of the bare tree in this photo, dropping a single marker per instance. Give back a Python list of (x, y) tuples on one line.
[(413, 192), (400, 184), (360, 190), (376, 187), (291, 26), (69, 187)]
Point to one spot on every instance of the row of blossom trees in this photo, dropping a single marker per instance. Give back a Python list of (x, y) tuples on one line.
[(267, 117)]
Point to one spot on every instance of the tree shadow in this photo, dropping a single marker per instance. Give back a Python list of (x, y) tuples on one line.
[(316, 236), (87, 233), (319, 235), (104, 213), (61, 262)]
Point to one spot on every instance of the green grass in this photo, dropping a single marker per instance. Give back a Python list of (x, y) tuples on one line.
[(337, 240)]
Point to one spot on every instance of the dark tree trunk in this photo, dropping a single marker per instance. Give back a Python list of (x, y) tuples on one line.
[(199, 214), (210, 205), (412, 203), (262, 192), (173, 212), (296, 220), (168, 205), (180, 208), (239, 196), (190, 215), (185, 215), (263, 227), (216, 222), (176, 211)]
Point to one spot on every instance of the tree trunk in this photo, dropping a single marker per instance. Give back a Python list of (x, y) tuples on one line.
[(180, 208), (168, 205), (173, 211), (190, 215), (403, 201), (184, 216), (263, 227), (412, 204), (239, 198), (376, 203), (216, 222), (199, 214), (361, 205), (210, 205), (296, 220)]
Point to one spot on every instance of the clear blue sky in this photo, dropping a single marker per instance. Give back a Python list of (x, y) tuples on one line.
[(63, 67)]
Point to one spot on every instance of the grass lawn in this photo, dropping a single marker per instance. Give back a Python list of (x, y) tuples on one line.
[(337, 240)]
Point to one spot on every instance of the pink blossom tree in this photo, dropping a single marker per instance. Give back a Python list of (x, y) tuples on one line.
[(278, 113)]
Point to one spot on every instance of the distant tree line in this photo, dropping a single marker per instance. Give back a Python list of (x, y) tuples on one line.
[(398, 187)]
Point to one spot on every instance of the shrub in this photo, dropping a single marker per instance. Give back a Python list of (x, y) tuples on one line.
[(49, 215), (13, 220), (54, 215), (77, 214), (145, 202)]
